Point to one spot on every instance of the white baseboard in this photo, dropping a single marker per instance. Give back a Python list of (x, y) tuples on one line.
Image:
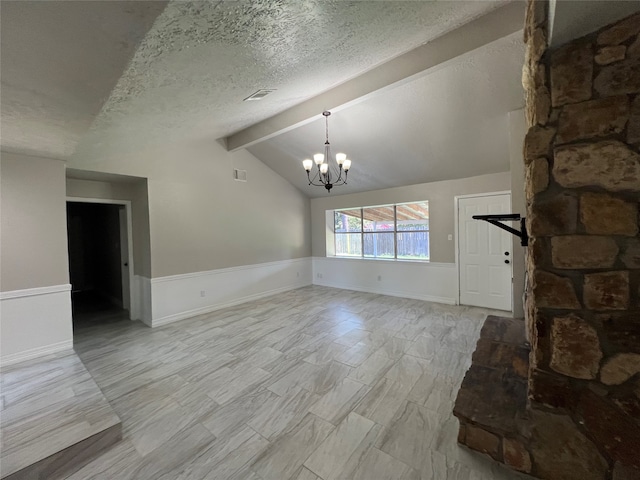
[(35, 322), (7, 360), (180, 296), (389, 292), (432, 282)]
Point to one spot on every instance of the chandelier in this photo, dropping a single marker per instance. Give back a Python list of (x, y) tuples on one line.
[(328, 175)]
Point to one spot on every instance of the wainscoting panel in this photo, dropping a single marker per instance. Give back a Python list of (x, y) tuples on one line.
[(141, 300), (35, 322), (181, 296), (434, 282)]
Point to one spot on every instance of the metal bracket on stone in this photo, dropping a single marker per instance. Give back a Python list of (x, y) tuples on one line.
[(509, 217)]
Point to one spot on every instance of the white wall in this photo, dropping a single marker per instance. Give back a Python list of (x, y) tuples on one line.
[(201, 219), (35, 322), (234, 241), (181, 296), (517, 131), (436, 280), (433, 282), (35, 303), (441, 208)]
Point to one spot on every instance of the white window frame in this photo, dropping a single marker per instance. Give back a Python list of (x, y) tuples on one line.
[(363, 233)]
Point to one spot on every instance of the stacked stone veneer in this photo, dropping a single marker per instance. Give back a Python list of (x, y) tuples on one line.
[(583, 304)]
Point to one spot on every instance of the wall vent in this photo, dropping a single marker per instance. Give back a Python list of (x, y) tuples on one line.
[(259, 95), (239, 175)]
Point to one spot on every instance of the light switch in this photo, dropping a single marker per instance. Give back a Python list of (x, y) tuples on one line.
[(450, 237)]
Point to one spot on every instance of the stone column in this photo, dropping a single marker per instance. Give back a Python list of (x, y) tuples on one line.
[(582, 188)]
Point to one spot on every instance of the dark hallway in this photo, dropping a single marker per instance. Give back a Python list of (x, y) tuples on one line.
[(96, 262)]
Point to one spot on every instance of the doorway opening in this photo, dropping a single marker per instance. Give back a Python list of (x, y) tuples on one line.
[(99, 262)]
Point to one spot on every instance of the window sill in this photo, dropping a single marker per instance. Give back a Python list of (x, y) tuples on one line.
[(399, 260)]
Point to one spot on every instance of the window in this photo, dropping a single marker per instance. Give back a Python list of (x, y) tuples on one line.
[(348, 230), (413, 231), (386, 232)]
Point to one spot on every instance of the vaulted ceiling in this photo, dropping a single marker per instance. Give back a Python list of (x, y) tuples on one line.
[(450, 123), (420, 90)]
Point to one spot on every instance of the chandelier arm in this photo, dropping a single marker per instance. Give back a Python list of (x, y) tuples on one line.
[(319, 176), (342, 180), (318, 184), (311, 182), (338, 174)]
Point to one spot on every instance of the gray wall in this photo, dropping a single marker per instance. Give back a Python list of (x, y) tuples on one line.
[(137, 194), (33, 244), (201, 219), (441, 208)]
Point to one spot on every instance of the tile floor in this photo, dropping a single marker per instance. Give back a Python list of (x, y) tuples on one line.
[(315, 383), (51, 413)]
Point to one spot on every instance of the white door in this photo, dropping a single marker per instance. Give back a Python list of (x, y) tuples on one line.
[(484, 253)]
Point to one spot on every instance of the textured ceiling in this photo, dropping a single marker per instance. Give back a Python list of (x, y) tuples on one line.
[(87, 80), (451, 123), (201, 59), (59, 63)]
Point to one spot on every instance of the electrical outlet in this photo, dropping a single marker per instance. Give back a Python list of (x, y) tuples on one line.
[(379, 277), (319, 275), (449, 237), (202, 293)]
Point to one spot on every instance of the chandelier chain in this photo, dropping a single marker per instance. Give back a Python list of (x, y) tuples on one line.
[(326, 122)]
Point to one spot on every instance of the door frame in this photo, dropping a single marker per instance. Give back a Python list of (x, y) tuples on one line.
[(133, 292), (456, 201)]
